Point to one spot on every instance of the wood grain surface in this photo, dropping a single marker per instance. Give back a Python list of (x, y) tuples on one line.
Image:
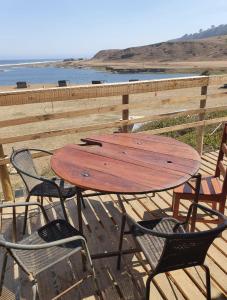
[(126, 163)]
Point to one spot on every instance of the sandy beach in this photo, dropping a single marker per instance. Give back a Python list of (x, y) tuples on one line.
[(215, 67)]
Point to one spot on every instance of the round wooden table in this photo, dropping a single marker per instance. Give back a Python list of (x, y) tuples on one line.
[(125, 163)]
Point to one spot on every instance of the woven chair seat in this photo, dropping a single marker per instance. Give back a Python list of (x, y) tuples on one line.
[(35, 261), (47, 189), (151, 245)]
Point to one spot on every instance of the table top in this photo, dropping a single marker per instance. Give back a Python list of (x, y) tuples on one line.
[(126, 163)]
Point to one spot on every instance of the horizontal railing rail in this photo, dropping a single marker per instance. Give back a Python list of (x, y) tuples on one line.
[(100, 90), (122, 105)]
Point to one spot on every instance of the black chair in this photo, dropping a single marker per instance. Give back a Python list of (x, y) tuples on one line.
[(22, 84), (37, 185), (97, 81), (50, 244), (62, 83), (167, 245)]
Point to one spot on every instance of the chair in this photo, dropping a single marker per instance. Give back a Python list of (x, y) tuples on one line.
[(167, 245), (22, 84), (50, 244), (37, 185), (97, 81), (62, 83), (212, 190)]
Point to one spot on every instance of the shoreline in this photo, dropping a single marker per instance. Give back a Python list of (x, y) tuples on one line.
[(28, 63), (121, 67), (127, 67)]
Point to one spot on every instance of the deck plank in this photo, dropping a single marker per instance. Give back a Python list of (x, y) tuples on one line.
[(101, 221)]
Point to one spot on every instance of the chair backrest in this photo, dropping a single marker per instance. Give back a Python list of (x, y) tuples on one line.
[(180, 249), (22, 161), (190, 248), (185, 250), (220, 168)]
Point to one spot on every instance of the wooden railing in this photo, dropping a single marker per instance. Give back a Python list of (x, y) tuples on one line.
[(119, 95)]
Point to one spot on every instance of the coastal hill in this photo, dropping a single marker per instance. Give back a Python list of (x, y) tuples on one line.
[(208, 49), (205, 50)]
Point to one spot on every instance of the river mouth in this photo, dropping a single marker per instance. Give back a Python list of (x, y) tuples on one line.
[(9, 75)]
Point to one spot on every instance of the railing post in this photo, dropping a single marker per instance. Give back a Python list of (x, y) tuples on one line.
[(125, 112), (5, 180), (201, 129)]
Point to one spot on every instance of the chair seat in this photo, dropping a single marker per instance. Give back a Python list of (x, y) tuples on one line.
[(151, 245), (211, 187), (47, 189), (35, 261)]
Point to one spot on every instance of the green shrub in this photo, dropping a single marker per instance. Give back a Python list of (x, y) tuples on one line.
[(212, 137)]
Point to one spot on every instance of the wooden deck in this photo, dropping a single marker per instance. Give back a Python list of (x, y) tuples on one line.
[(101, 222)]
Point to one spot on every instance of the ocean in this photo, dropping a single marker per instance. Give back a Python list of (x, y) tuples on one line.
[(12, 71)]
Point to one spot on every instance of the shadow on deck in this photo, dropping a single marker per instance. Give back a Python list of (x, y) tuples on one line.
[(101, 225)]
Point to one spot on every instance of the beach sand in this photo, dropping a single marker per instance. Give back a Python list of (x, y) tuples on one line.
[(215, 67)]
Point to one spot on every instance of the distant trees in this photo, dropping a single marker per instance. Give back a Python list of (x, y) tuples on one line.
[(212, 31)]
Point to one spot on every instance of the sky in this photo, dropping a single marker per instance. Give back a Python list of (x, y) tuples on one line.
[(80, 28)]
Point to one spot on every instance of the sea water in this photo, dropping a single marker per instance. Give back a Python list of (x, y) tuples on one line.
[(12, 71)]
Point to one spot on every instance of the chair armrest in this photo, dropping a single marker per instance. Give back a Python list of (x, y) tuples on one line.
[(144, 230), (19, 246), (40, 150), (10, 204), (209, 211), (42, 179)]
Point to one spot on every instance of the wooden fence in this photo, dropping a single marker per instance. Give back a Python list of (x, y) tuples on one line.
[(14, 98)]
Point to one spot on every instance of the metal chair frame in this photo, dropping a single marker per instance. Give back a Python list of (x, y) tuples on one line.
[(8, 246), (124, 218), (42, 180), (78, 193), (174, 255)]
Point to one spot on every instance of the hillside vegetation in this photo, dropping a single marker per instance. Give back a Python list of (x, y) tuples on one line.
[(208, 49), (210, 32)]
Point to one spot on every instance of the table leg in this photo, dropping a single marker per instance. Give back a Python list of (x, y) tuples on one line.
[(80, 221), (79, 212), (196, 200), (123, 221), (14, 225)]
